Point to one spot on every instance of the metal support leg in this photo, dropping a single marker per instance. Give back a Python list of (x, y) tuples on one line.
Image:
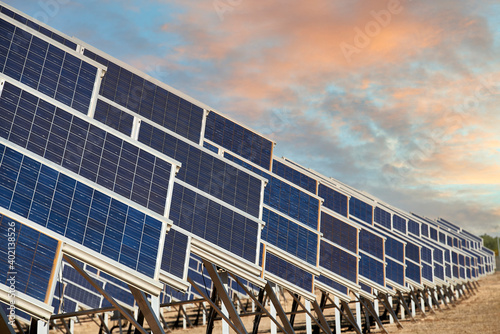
[(338, 320), (371, 310), (322, 305), (281, 313), (38, 327), (321, 321), (307, 305), (414, 302), (358, 311), (233, 315), (108, 297), (432, 299), (295, 307), (405, 306), (214, 308), (387, 303), (150, 313), (350, 317)]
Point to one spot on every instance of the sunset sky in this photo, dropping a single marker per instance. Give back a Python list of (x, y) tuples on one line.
[(397, 98)]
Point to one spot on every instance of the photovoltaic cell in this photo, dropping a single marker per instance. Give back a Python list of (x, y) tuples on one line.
[(174, 253), (149, 100), (223, 227), (211, 147), (433, 233), (289, 236), (286, 198), (294, 176), (382, 217), (427, 272), (331, 283), (412, 252), (360, 209), (394, 248), (395, 272), (239, 140), (371, 243), (413, 272), (371, 269), (424, 229), (333, 199), (83, 148), (339, 232), (114, 117), (205, 171), (289, 272), (399, 223), (338, 261), (20, 18), (78, 212), (45, 67), (413, 228), (34, 258)]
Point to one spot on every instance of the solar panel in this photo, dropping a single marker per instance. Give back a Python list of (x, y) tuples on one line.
[(37, 27), (239, 140)]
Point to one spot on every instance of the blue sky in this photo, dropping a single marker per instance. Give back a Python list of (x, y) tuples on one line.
[(397, 98)]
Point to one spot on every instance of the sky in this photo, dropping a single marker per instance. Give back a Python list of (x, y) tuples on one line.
[(396, 98)]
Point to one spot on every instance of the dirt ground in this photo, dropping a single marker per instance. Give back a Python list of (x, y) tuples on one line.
[(479, 314)]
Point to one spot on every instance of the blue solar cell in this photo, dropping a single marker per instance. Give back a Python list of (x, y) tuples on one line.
[(399, 223), (201, 169), (427, 272), (371, 269), (285, 198), (332, 284), (414, 228), (360, 209), (426, 254), (62, 199), (394, 248), (174, 253), (214, 222), (442, 238), (114, 117), (439, 271), (239, 140), (89, 151), (382, 217), (424, 229), (289, 272), (49, 69), (395, 272), (289, 236), (149, 100), (338, 261), (412, 252), (211, 147), (371, 243), (433, 233), (53, 35), (294, 176), (34, 256), (413, 272), (333, 199), (339, 232)]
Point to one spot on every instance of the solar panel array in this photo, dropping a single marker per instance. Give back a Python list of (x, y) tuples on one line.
[(141, 184)]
